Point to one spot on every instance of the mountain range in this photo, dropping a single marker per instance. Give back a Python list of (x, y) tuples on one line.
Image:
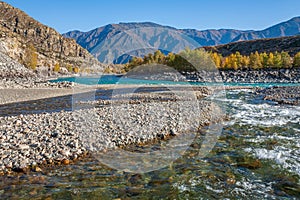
[(117, 43)]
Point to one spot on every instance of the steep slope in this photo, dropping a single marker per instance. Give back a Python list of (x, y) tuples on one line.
[(212, 37), (147, 35), (289, 44), (288, 28), (113, 41), (21, 37)]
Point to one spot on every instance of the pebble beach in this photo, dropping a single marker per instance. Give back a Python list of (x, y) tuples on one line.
[(30, 141)]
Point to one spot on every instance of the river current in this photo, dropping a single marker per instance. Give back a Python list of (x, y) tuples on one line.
[(256, 156)]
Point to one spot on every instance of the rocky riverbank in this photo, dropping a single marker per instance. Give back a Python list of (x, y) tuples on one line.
[(15, 75), (27, 142), (227, 76), (281, 95), (247, 76)]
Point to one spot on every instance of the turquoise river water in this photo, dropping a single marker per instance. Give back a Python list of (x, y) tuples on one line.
[(257, 156)]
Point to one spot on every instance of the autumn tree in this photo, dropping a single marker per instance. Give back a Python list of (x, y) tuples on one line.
[(69, 68), (76, 70), (270, 61), (245, 62), (170, 59), (56, 67), (198, 59), (232, 62), (277, 63), (255, 61), (159, 57), (31, 57), (149, 59), (296, 62), (238, 59), (264, 57), (286, 60), (217, 58)]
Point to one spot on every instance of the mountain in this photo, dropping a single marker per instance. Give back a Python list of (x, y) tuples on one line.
[(32, 43), (290, 44), (212, 37), (112, 41), (288, 28)]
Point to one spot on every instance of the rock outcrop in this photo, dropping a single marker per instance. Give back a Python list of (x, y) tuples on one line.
[(22, 37)]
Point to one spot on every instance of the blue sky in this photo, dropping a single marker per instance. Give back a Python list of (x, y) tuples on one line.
[(84, 15)]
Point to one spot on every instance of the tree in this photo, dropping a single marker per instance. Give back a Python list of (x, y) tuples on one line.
[(69, 68), (232, 62), (31, 57), (217, 59), (159, 57), (76, 70), (245, 61), (170, 59), (286, 60), (296, 62), (238, 59), (270, 61), (277, 63), (56, 67), (255, 61), (264, 59), (149, 59), (225, 63)]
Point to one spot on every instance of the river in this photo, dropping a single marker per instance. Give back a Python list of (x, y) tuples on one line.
[(256, 156)]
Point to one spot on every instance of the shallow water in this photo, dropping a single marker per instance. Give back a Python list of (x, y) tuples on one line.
[(256, 156), (118, 79)]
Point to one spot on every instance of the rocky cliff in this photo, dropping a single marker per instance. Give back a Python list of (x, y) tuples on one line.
[(34, 44)]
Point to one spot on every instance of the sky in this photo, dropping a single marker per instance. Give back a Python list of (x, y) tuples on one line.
[(85, 15)]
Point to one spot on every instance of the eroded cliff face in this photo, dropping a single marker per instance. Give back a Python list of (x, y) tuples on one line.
[(22, 37)]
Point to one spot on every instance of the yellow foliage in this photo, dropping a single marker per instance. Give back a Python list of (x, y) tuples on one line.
[(56, 67), (296, 62), (76, 70), (69, 68), (270, 61), (107, 70), (190, 60), (31, 57), (217, 59)]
